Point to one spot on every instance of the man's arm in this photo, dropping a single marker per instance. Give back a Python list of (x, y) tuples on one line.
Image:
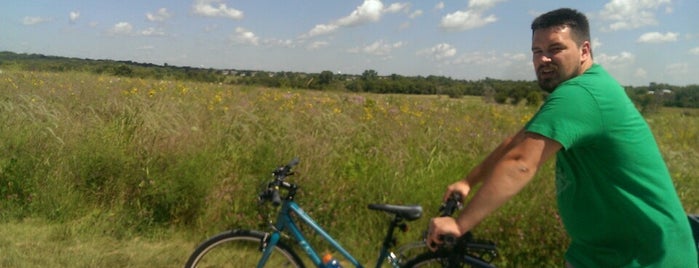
[(479, 172), (503, 174)]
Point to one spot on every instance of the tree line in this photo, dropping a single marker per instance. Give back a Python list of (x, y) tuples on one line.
[(647, 98)]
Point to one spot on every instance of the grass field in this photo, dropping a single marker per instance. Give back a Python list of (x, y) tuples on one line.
[(116, 172)]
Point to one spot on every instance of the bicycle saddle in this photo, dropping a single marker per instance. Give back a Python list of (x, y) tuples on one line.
[(407, 212)]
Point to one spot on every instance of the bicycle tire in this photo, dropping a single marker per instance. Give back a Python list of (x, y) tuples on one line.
[(240, 248), (445, 259)]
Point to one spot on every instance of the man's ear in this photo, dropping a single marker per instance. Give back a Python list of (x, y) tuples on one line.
[(586, 50)]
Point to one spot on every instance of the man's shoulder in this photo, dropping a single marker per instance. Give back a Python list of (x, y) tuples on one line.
[(595, 72), (594, 79)]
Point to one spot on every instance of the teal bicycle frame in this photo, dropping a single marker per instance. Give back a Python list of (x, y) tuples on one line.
[(401, 214), (459, 251), (285, 222)]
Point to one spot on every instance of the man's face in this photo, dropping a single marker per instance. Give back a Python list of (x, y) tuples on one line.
[(556, 56)]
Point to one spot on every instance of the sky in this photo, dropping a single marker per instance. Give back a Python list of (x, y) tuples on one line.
[(637, 41)]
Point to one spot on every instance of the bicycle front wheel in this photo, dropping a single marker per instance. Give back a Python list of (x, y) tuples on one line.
[(240, 248), (441, 259)]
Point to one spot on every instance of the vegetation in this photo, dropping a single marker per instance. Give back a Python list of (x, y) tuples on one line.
[(648, 98), (105, 170)]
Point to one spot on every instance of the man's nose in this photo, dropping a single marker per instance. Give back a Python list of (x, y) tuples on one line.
[(544, 57)]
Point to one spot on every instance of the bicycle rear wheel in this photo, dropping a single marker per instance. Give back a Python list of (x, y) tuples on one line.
[(240, 248), (443, 259)]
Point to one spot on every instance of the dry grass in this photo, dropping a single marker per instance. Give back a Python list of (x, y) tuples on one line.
[(105, 171)]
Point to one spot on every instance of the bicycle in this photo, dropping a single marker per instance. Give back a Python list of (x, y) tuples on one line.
[(248, 248)]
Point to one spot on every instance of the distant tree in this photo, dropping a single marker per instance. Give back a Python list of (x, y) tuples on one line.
[(123, 70), (649, 103), (489, 94), (500, 97), (534, 98), (369, 75), (687, 97), (325, 78), (355, 86)]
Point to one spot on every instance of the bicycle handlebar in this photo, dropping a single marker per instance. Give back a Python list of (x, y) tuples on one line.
[(448, 208), (284, 171), (271, 193)]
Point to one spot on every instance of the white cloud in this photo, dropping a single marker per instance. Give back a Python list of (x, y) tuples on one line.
[(641, 73), (379, 48), (471, 18), (151, 31), (483, 59), (121, 28), (596, 43), (161, 15), (678, 68), (656, 37), (28, 20), (439, 52), (518, 56), (631, 14), (207, 9), (616, 61), (369, 11), (317, 45), (415, 14), (483, 4), (125, 28), (439, 6), (493, 59), (397, 7), (73, 16), (694, 51), (280, 42), (243, 36), (322, 29), (465, 20)]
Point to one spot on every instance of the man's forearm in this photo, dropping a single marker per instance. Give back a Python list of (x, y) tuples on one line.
[(504, 173), (506, 180), (478, 173)]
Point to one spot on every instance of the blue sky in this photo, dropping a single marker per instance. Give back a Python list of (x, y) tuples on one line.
[(638, 41)]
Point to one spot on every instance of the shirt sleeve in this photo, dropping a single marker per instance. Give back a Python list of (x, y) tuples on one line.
[(570, 116)]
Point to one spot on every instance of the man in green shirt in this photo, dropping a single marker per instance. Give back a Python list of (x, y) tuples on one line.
[(615, 194)]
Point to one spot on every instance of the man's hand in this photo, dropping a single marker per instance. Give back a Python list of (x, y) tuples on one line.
[(462, 187), (440, 227)]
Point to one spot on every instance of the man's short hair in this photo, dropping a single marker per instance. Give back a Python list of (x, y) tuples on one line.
[(571, 18)]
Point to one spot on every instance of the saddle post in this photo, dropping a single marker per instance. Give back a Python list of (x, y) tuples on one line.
[(389, 241)]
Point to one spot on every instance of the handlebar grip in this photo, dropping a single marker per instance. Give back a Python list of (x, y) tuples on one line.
[(283, 171), (448, 241), (456, 196), (451, 205), (293, 162), (276, 200)]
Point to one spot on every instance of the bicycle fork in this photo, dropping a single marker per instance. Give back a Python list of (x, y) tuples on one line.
[(269, 238)]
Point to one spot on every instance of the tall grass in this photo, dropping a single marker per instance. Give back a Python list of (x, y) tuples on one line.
[(115, 159)]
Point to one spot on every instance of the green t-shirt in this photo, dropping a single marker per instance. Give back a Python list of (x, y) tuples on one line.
[(615, 194)]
